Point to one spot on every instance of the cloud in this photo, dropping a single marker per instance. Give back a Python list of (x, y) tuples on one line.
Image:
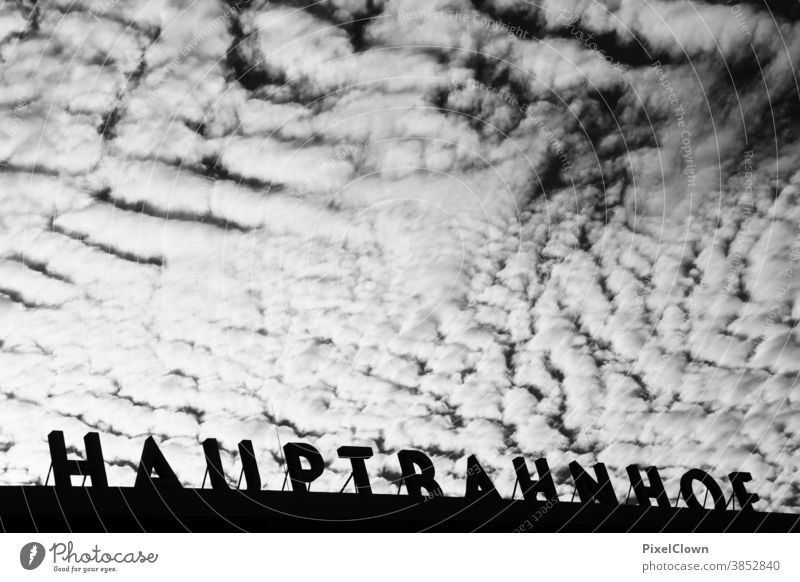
[(482, 227)]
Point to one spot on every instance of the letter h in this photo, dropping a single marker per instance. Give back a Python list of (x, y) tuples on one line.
[(64, 468)]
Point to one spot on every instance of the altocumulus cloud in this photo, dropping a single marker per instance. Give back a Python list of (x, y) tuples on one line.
[(553, 228)]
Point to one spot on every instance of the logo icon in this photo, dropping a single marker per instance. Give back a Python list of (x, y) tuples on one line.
[(31, 555)]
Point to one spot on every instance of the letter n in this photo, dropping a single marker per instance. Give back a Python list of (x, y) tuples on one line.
[(64, 468), (590, 490)]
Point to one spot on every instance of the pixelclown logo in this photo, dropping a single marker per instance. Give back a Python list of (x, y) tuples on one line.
[(31, 555)]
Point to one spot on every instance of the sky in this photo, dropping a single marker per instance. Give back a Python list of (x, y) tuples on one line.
[(564, 229)]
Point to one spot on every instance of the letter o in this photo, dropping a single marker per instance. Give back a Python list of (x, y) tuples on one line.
[(710, 484)]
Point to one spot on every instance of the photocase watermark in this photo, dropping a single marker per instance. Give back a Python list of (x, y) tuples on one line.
[(687, 161), (144, 106), (557, 147), (100, 8), (735, 259), (507, 96), (556, 144), (741, 18), (688, 166), (433, 495), (95, 560), (67, 559), (32, 555), (639, 304), (569, 19), (677, 108), (527, 525), (20, 105), (678, 342), (785, 286), (471, 471), (341, 153), (464, 18), (739, 249)]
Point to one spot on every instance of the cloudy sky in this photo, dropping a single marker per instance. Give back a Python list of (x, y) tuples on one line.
[(496, 227)]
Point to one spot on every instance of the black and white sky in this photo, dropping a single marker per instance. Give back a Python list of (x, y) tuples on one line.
[(491, 226)]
